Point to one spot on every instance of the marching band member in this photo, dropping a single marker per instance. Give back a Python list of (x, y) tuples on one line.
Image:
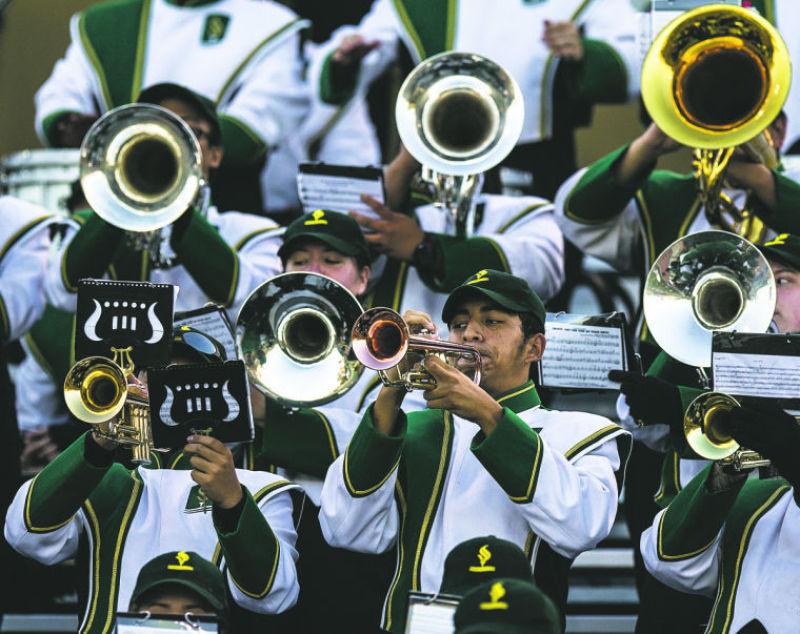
[(566, 56), (480, 460), (244, 56), (86, 505)]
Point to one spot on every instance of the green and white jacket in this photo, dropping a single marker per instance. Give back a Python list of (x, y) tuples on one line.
[(739, 546), (546, 480), (512, 37), (243, 55), (113, 521)]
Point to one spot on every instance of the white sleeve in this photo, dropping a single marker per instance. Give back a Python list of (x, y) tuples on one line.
[(615, 22), (534, 248), (380, 25), (55, 289), (39, 401), (284, 587), (270, 96), (22, 273), (696, 574), (49, 545), (363, 521), (617, 241), (656, 437), (71, 86), (258, 262)]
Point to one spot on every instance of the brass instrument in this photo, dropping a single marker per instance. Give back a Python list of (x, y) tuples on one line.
[(713, 79), (97, 391), (459, 114), (382, 341), (711, 280), (294, 334), (709, 441), (141, 169)]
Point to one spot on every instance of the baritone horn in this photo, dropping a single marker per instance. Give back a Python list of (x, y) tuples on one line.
[(458, 114), (382, 341), (707, 281), (97, 391), (294, 334), (713, 79), (141, 167)]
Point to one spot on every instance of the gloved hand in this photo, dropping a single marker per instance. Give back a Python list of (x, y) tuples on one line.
[(651, 400), (767, 429)]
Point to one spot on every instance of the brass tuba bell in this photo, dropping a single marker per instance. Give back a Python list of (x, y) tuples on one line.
[(382, 341), (294, 334), (459, 114), (141, 167), (710, 280)]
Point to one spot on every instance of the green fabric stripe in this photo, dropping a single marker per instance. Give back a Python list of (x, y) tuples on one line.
[(521, 398), (243, 242), (243, 146), (49, 126), (90, 252), (389, 292), (522, 214), (371, 457), (50, 340), (374, 382), (300, 440), (512, 454), (208, 259), (756, 498), (593, 439), (21, 233), (603, 76), (5, 324), (461, 257), (113, 35)]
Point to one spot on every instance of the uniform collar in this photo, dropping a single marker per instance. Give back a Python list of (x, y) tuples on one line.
[(520, 398)]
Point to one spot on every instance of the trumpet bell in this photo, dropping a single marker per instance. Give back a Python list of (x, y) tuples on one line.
[(380, 338), (95, 390), (716, 76), (459, 113), (294, 333), (140, 167), (701, 426), (711, 280)]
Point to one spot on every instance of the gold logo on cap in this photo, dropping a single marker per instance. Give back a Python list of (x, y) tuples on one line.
[(480, 276), (318, 218), (484, 555), (777, 241), (182, 558), (496, 592)]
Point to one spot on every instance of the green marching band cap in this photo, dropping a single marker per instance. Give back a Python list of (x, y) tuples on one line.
[(507, 606), (335, 229), (157, 93), (508, 291), (481, 559), (186, 569), (785, 249)]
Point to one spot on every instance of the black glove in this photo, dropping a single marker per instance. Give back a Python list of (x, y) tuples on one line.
[(767, 429), (652, 401)]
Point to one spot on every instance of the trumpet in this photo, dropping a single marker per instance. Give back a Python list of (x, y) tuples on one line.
[(706, 437), (459, 114), (294, 334), (97, 391), (382, 341), (715, 78)]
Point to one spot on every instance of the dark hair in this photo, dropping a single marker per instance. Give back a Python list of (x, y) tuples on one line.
[(531, 325)]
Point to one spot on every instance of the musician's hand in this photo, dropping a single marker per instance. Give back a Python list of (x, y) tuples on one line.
[(756, 177), (418, 321), (651, 400), (72, 127), (767, 429), (213, 470), (397, 178), (394, 234), (457, 393), (352, 50), (38, 450), (563, 39), (642, 153)]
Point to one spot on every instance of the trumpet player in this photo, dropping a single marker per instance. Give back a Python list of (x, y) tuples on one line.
[(86, 504), (482, 459)]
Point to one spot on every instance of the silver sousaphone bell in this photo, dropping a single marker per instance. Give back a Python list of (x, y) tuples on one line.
[(294, 334), (707, 281)]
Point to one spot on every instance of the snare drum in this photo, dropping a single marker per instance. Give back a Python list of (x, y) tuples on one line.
[(42, 177)]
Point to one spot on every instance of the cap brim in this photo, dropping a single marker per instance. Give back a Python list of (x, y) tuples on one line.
[(207, 595), (458, 295), (342, 246), (779, 255)]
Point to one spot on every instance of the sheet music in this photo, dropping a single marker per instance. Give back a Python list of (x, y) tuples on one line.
[(215, 324), (762, 375), (338, 191), (580, 356), (430, 618)]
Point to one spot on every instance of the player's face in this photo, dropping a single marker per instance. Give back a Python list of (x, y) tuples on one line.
[(211, 154), (505, 355), (173, 600), (318, 257), (787, 308)]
